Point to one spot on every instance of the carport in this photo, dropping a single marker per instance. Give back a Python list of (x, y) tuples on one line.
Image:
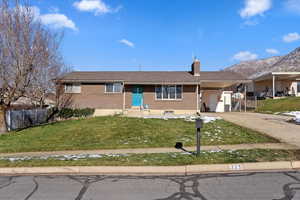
[(216, 94), (282, 83)]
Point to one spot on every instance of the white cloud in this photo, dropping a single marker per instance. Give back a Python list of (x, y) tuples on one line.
[(245, 56), (127, 43), (272, 51), (55, 20), (293, 5), (255, 7), (95, 6), (291, 37), (58, 21)]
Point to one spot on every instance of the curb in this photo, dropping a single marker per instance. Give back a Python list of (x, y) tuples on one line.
[(154, 170)]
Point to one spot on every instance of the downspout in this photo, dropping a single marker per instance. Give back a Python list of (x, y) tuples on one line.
[(197, 98), (124, 98)]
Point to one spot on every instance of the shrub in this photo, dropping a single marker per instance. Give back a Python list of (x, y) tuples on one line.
[(65, 113), (68, 112), (87, 112)]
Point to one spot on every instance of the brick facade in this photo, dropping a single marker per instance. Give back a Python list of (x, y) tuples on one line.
[(94, 96)]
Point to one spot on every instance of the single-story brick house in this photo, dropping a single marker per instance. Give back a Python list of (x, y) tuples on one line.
[(152, 92)]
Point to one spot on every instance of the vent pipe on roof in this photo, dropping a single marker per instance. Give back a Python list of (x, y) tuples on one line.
[(196, 67)]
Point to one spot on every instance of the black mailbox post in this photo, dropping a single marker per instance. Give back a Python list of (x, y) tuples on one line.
[(199, 125)]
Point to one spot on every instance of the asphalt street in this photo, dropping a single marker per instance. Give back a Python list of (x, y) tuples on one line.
[(261, 186)]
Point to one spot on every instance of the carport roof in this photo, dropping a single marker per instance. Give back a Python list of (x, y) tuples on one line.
[(279, 75)]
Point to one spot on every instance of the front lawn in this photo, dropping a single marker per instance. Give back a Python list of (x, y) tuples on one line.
[(164, 159), (122, 132), (279, 105)]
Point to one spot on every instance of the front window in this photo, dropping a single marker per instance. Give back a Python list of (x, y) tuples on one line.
[(113, 87), (298, 87), (168, 92), (158, 91), (179, 92), (73, 88)]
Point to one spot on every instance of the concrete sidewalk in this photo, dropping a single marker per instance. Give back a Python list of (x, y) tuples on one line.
[(273, 125), (154, 170), (154, 150)]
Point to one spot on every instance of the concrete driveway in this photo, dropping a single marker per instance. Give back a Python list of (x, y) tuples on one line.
[(273, 125)]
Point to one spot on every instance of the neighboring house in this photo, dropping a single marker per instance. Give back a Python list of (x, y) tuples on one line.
[(276, 84), (28, 103), (179, 92)]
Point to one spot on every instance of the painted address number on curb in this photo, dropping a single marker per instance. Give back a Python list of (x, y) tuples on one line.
[(235, 167)]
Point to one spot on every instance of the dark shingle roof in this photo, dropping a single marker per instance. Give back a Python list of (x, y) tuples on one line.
[(151, 76)]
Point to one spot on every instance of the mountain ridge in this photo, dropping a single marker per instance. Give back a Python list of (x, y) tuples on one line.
[(255, 68)]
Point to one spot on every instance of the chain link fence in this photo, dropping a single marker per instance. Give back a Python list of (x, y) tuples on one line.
[(20, 119), (241, 104)]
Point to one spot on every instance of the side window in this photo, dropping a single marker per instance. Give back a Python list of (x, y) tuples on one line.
[(73, 88), (298, 87), (113, 87)]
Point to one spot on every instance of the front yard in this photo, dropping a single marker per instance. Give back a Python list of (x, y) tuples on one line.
[(121, 132)]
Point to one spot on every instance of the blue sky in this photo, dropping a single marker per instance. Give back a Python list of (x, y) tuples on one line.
[(166, 34)]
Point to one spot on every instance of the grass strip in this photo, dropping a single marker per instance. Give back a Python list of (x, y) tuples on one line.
[(163, 159)]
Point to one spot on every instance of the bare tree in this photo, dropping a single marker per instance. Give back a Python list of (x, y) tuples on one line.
[(29, 56), (45, 75)]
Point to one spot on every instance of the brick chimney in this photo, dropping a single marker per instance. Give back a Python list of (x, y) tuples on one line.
[(196, 67)]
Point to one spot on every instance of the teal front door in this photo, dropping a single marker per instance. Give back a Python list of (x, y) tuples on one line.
[(137, 96)]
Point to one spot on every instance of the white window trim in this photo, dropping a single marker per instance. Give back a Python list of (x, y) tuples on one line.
[(73, 92), (163, 99), (114, 92)]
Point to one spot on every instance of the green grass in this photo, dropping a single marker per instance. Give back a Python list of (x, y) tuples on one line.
[(166, 159), (121, 132), (279, 105)]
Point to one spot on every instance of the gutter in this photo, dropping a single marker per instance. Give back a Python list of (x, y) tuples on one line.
[(153, 83)]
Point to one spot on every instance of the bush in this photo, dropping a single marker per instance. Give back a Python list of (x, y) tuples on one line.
[(87, 112), (68, 112)]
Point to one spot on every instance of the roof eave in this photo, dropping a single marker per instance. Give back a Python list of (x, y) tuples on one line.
[(229, 81)]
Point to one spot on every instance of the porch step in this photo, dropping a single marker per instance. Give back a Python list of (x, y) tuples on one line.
[(135, 108), (136, 112)]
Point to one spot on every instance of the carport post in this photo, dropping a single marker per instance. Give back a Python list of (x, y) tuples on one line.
[(256, 103), (245, 98), (274, 86)]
